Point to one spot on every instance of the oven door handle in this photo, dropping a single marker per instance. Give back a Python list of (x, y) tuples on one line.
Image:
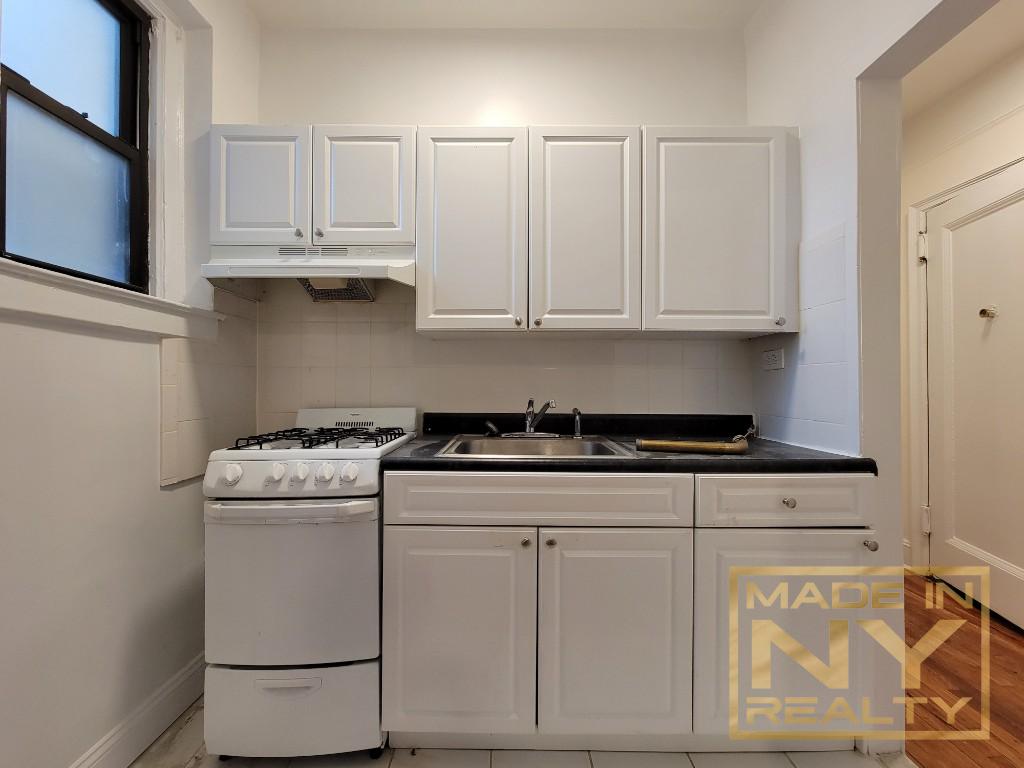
[(283, 513)]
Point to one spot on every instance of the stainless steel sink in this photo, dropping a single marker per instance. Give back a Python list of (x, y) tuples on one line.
[(482, 447)]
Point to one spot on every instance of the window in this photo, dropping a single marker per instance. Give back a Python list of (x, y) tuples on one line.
[(73, 143)]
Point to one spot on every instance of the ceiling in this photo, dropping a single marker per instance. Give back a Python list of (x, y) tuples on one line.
[(994, 36), (505, 14)]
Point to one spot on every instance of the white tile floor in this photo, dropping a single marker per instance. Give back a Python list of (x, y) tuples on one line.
[(181, 746)]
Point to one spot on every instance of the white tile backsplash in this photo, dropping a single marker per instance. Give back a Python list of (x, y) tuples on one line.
[(208, 389), (370, 354)]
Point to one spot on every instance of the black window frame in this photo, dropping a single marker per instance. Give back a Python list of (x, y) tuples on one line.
[(131, 142)]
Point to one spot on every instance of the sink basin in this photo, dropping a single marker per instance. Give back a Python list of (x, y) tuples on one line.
[(563, 447)]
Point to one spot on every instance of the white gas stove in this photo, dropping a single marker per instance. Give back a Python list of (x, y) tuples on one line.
[(330, 452), (293, 585)]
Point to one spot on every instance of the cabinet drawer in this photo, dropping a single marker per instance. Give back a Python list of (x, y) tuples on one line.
[(783, 501), (538, 498), (290, 712)]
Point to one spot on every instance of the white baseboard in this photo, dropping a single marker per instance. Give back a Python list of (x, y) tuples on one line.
[(129, 738)]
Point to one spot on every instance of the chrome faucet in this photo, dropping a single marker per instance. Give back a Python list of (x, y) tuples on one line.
[(532, 420), (577, 423)]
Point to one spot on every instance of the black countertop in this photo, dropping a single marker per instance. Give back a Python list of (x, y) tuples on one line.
[(765, 456)]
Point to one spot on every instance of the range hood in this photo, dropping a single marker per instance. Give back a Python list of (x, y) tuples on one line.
[(362, 262)]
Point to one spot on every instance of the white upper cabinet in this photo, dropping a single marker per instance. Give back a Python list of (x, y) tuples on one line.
[(259, 178), (585, 228), (719, 246), (614, 631), (364, 184), (471, 229)]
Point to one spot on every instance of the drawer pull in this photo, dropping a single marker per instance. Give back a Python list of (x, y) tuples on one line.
[(871, 544), (551, 542), (294, 685), (525, 541), (789, 502)]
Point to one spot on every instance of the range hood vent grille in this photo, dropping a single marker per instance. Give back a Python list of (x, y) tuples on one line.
[(312, 252), (350, 289)]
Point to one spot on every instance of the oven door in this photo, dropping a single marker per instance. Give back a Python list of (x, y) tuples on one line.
[(292, 582)]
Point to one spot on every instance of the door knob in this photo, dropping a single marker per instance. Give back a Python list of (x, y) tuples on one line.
[(871, 545), (525, 541), (551, 542), (988, 312), (298, 232), (519, 321), (789, 502)]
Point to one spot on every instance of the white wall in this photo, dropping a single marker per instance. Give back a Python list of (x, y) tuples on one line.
[(236, 59), (964, 134), (502, 77), (803, 58)]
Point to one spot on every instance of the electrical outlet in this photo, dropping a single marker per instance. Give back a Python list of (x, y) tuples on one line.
[(773, 360)]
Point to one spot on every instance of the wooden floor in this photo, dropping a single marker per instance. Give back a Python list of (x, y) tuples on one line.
[(954, 672)]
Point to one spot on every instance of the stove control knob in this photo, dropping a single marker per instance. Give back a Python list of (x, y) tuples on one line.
[(277, 472), (232, 474), (301, 473), (325, 473), (350, 472)]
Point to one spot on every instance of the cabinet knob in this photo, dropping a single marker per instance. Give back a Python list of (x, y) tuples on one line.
[(871, 545), (790, 502), (318, 232), (298, 232), (525, 541), (551, 542), (537, 322), (780, 322), (519, 321)]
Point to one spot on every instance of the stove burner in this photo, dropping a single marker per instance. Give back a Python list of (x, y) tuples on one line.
[(321, 436)]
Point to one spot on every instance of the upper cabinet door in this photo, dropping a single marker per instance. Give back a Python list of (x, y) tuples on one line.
[(719, 248), (614, 631), (585, 228), (471, 253), (259, 181), (363, 184)]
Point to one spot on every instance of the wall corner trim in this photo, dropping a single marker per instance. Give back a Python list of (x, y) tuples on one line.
[(130, 738)]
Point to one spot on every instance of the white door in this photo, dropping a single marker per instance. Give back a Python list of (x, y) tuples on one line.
[(719, 247), (975, 368), (364, 183), (584, 228), (259, 184), (716, 552), (614, 632), (471, 225), (459, 629)]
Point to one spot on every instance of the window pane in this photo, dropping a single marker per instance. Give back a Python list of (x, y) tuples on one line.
[(69, 49), (67, 195)]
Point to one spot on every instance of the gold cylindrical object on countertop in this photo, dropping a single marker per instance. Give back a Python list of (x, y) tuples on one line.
[(692, 446)]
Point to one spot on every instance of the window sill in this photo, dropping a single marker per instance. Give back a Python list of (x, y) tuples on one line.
[(32, 292)]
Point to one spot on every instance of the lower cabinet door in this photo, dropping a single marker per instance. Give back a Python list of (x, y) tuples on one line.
[(717, 552), (459, 629), (615, 628)]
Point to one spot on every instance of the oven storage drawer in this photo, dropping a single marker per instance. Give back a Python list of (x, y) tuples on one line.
[(292, 712), (538, 498), (290, 583), (783, 501)]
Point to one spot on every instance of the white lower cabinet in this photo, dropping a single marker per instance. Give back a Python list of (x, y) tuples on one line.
[(459, 629), (716, 552), (614, 630)]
